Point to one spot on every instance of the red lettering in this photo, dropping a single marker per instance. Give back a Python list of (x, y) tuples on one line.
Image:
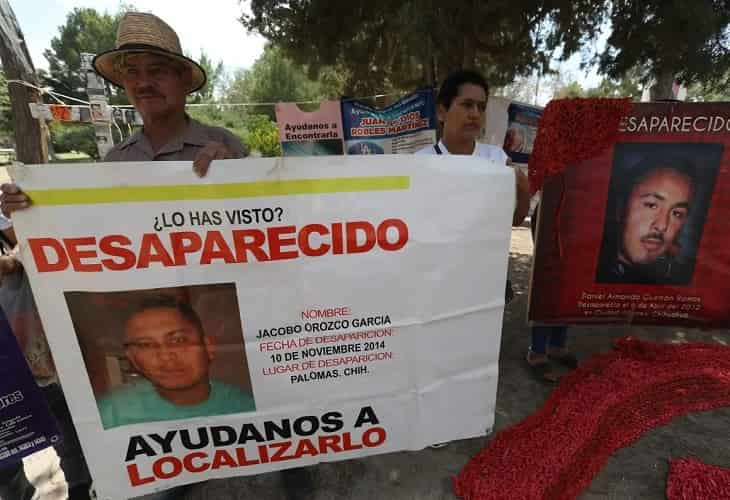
[(329, 442), (303, 240), (134, 478), (107, 246), (249, 239), (222, 458), (216, 248), (184, 242), (374, 437), (337, 241), (352, 228), (277, 240), (279, 450), (402, 230), (175, 462), (242, 459), (263, 454), (75, 254), (305, 447), (43, 264), (347, 443), (191, 467), (152, 250)]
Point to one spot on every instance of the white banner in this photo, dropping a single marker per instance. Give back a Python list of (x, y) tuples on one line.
[(275, 314)]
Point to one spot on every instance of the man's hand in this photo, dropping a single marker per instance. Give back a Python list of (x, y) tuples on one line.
[(12, 199), (211, 151), (9, 264)]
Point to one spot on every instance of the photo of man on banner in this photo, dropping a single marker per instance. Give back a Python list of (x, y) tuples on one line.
[(654, 217)]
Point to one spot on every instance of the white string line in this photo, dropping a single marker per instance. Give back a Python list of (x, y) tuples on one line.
[(53, 94)]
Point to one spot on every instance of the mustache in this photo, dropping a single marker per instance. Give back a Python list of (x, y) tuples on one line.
[(653, 236), (147, 93)]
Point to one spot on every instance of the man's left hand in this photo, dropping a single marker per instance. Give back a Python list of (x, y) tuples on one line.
[(211, 151)]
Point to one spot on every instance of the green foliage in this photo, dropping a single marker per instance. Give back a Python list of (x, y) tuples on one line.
[(684, 39), (707, 93), (386, 46), (73, 137), (85, 30), (215, 74), (257, 131), (262, 136), (573, 89), (274, 78)]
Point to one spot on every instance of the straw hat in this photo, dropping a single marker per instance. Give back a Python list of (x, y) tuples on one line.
[(145, 33)]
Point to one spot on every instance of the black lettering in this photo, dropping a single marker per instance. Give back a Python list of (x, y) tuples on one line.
[(138, 446), (202, 439), (366, 416), (218, 435)]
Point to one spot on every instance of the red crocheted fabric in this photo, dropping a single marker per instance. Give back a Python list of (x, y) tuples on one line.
[(604, 405), (573, 130), (690, 479)]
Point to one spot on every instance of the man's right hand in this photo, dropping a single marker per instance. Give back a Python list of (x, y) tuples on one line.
[(12, 198)]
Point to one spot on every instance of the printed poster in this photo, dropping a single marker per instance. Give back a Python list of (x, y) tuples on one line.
[(522, 123), (640, 235), (26, 424), (314, 133), (403, 127), (277, 313)]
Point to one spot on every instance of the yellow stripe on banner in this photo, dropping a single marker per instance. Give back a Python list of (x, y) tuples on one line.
[(132, 194)]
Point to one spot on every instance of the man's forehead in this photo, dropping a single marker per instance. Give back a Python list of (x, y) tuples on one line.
[(669, 175), (156, 321), (145, 58)]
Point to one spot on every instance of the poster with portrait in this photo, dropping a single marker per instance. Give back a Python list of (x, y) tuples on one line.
[(636, 234), (313, 133), (403, 127), (522, 123), (277, 313)]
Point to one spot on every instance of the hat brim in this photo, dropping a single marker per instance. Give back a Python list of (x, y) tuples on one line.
[(104, 64)]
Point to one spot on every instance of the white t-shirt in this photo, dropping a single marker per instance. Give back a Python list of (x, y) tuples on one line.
[(490, 151)]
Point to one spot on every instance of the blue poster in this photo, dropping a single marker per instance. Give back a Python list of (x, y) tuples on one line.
[(403, 127), (26, 424), (522, 122)]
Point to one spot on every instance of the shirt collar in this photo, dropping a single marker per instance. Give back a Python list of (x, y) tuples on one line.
[(446, 151), (194, 135)]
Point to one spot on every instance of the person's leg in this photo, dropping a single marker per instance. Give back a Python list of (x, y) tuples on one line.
[(557, 347), (537, 358), (558, 338), (538, 344)]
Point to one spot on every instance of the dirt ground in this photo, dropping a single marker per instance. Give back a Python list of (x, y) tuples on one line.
[(636, 472)]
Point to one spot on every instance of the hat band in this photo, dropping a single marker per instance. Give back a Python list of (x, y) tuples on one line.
[(145, 47)]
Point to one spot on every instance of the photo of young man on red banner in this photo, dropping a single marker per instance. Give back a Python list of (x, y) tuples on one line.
[(636, 233)]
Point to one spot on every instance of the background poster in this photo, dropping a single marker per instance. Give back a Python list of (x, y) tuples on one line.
[(522, 123), (26, 424), (273, 315), (403, 127), (641, 233), (313, 133)]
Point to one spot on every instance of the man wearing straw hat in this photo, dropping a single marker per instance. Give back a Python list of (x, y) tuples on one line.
[(148, 63)]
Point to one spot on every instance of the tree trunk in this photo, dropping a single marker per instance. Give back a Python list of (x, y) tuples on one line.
[(662, 88), (30, 134)]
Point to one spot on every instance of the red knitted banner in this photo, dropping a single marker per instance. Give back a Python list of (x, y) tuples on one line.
[(604, 405), (690, 479), (573, 130)]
